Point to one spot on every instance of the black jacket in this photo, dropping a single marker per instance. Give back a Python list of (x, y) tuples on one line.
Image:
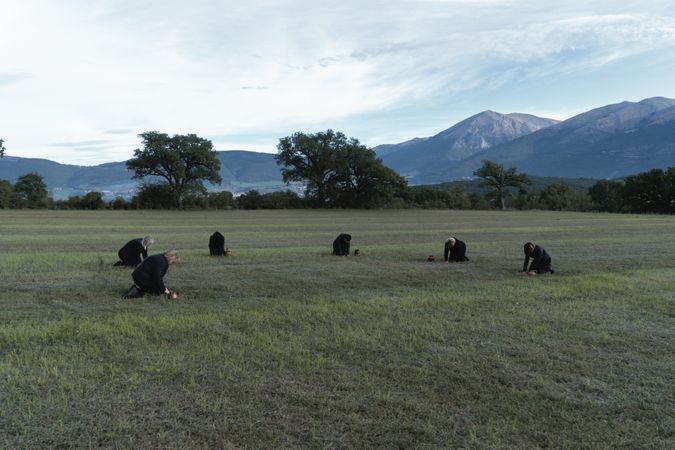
[(217, 244), (130, 254), (541, 261), (341, 244), (149, 276), (456, 253)]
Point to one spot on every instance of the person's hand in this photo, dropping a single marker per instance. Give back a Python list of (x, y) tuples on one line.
[(532, 273), (173, 295)]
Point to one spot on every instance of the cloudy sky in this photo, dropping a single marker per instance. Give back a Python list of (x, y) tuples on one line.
[(79, 79)]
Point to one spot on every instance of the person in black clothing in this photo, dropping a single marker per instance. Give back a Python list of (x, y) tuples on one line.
[(130, 254), (217, 244), (541, 260), (455, 250), (341, 245), (149, 276)]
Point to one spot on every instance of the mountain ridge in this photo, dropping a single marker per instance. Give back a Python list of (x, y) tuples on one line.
[(611, 141), (241, 170), (415, 158), (605, 142)]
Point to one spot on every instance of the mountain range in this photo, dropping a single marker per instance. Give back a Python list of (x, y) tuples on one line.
[(419, 159), (240, 171), (608, 142)]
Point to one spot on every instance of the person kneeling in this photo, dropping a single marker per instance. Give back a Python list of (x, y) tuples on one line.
[(149, 276), (130, 255), (455, 250), (217, 244), (541, 260), (341, 244)]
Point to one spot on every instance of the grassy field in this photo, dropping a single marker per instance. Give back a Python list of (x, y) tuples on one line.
[(285, 346)]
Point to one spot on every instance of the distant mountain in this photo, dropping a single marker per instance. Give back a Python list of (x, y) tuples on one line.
[(426, 160), (244, 170), (240, 170), (54, 174), (607, 142)]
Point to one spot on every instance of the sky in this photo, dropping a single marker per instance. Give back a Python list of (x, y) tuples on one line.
[(80, 79)]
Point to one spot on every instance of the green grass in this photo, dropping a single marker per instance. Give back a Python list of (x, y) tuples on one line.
[(285, 346)]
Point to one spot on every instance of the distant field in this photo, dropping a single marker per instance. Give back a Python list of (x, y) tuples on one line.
[(285, 346)]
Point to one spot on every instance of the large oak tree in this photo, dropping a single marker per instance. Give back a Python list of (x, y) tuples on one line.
[(182, 162), (337, 171)]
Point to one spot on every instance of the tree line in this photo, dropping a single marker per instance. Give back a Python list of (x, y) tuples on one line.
[(336, 172), (647, 192)]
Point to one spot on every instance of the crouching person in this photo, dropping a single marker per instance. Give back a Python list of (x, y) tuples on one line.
[(217, 244), (541, 260), (130, 254), (341, 244), (455, 250), (149, 276)]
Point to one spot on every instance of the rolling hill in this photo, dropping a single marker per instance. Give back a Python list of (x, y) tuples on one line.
[(608, 142), (240, 170)]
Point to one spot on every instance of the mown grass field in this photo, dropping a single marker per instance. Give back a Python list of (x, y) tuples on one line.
[(285, 346)]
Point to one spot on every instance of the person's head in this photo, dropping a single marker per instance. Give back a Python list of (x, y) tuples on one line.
[(528, 248), (147, 241), (171, 257), (450, 241)]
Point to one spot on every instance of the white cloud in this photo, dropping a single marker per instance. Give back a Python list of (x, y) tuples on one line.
[(73, 70)]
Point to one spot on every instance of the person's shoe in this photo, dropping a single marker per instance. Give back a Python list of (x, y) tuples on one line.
[(133, 292)]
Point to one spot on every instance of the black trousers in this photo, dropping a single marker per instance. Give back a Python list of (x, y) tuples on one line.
[(128, 260), (148, 286), (544, 266)]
